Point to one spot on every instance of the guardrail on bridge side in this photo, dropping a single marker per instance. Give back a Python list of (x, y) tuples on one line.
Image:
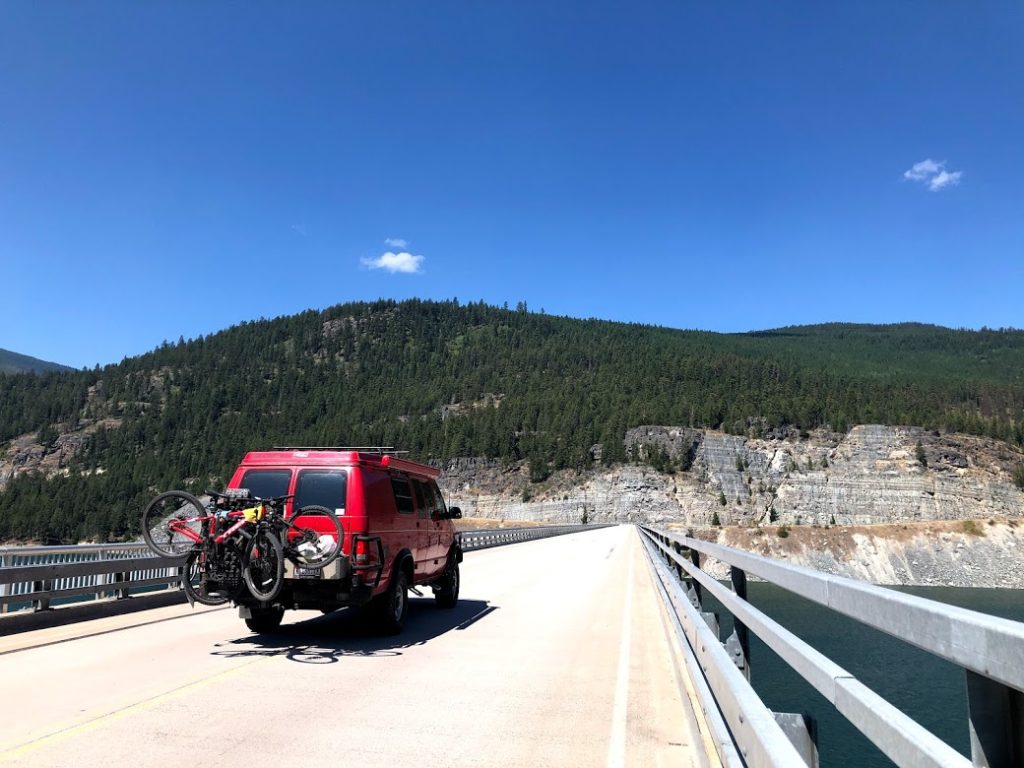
[(990, 649), (37, 577)]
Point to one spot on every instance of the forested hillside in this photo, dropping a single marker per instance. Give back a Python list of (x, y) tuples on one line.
[(445, 380)]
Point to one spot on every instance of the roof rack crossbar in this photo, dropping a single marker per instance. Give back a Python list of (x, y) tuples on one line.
[(381, 449)]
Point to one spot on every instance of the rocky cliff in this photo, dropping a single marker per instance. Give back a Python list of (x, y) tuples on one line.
[(891, 505), (966, 553), (871, 474)]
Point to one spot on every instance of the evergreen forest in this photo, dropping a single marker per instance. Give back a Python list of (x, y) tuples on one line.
[(447, 379)]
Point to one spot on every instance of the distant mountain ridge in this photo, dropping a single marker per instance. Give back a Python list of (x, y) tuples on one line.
[(14, 362), (446, 380)]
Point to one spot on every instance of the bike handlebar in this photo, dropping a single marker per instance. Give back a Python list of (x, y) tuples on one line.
[(271, 501)]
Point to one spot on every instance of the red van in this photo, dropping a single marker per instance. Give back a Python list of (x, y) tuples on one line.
[(398, 531)]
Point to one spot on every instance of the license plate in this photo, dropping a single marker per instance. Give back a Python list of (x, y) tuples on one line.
[(308, 573)]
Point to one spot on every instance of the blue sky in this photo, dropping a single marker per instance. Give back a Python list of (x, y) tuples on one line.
[(170, 168)]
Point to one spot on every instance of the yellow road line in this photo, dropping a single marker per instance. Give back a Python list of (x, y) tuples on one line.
[(101, 720)]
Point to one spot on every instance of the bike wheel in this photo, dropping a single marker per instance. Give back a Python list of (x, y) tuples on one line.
[(173, 523), (263, 566), (307, 542), (196, 582)]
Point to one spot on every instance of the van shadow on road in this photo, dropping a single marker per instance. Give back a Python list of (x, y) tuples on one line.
[(349, 632)]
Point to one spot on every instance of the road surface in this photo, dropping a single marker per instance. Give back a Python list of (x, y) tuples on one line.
[(556, 656)]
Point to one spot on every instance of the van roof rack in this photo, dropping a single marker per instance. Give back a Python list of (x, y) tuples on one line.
[(381, 449)]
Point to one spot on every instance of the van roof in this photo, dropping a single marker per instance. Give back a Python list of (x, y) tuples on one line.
[(318, 458)]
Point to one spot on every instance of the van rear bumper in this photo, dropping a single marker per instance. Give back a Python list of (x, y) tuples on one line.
[(336, 586)]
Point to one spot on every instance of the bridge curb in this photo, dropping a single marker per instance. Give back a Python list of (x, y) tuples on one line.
[(26, 621)]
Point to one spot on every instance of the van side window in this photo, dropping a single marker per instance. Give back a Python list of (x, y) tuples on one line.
[(403, 495), (430, 501), (439, 506), (421, 504)]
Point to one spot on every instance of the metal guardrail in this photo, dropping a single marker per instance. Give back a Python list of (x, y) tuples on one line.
[(36, 577), (496, 537), (990, 649)]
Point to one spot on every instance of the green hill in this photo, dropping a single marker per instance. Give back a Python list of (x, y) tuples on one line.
[(12, 362), (443, 380)]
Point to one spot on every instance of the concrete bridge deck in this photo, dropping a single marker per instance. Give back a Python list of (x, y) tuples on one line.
[(557, 655)]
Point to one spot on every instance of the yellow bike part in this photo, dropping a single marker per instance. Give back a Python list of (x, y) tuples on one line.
[(254, 513)]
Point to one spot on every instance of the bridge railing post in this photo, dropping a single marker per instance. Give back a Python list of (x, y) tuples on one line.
[(740, 647), (42, 603), (121, 592), (5, 589), (678, 548), (694, 584), (996, 720)]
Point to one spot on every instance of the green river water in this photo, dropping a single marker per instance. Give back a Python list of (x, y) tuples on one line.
[(930, 690)]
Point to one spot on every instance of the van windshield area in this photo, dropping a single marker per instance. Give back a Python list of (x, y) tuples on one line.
[(325, 487), (267, 483)]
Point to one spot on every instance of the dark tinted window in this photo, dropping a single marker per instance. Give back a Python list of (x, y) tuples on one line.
[(421, 504), (325, 487), (439, 506), (403, 495), (430, 501), (265, 483)]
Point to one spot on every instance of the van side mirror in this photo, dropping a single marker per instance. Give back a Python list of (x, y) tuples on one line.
[(454, 513)]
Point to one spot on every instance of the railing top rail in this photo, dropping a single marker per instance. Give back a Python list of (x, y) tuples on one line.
[(86, 549), (71, 549), (989, 645)]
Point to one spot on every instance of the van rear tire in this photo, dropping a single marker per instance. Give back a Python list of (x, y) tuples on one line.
[(447, 594), (390, 609), (265, 619)]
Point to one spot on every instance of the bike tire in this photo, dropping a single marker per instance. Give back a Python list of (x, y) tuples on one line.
[(263, 565), (334, 527), (195, 583), (157, 517)]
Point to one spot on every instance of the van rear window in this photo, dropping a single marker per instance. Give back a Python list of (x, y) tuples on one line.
[(265, 483), (325, 487)]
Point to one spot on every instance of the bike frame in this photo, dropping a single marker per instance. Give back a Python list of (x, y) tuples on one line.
[(210, 521)]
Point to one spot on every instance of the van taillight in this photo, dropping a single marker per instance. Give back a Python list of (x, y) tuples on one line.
[(361, 551)]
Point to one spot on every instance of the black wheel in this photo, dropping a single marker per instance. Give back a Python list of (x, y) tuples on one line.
[(304, 545), (447, 593), (391, 607), (168, 520), (265, 619), (263, 566), (197, 582)]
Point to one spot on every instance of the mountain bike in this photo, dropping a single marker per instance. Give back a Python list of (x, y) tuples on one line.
[(214, 536), (312, 538), (237, 539)]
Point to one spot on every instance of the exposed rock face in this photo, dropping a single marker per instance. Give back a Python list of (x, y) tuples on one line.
[(873, 474), (26, 454), (958, 554)]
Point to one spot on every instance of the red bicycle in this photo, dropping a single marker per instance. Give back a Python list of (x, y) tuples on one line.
[(216, 539), (237, 539)]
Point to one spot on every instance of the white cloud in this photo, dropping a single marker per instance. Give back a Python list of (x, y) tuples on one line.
[(934, 174), (396, 242), (403, 262), (922, 170), (944, 179)]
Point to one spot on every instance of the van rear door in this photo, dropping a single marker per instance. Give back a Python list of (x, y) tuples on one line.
[(325, 488)]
